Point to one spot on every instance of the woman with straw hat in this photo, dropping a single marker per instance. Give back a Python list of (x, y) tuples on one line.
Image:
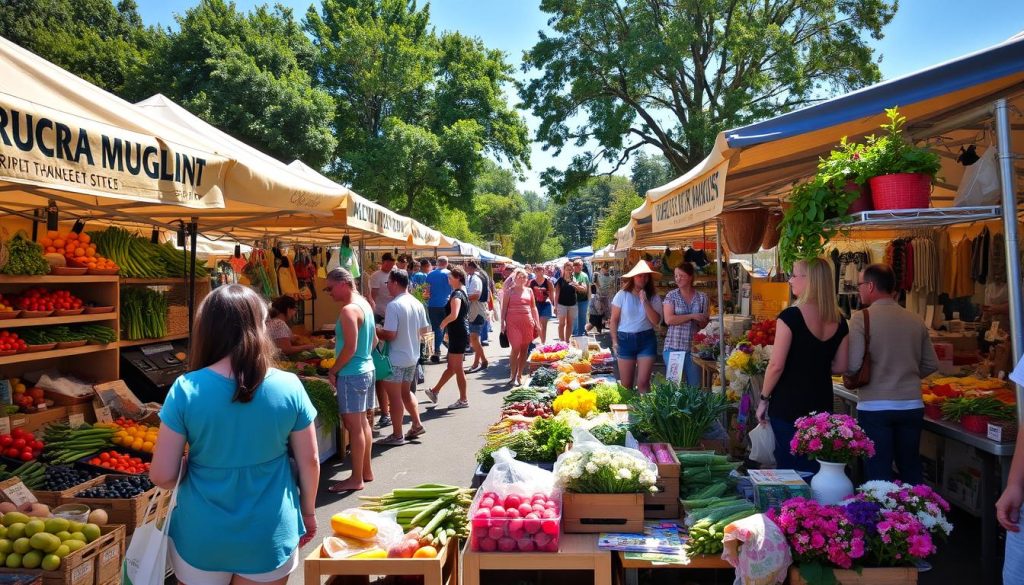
[(636, 311)]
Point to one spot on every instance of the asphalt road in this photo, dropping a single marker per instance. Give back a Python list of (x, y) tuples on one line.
[(445, 454)]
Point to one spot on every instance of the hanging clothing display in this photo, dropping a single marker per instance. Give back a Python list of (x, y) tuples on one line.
[(980, 257), (997, 259), (963, 283)]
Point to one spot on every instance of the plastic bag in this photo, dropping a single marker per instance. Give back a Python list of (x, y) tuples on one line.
[(509, 476), (762, 445), (583, 442), (389, 533), (764, 558), (980, 183)]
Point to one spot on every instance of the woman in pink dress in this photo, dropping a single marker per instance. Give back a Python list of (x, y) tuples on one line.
[(519, 322)]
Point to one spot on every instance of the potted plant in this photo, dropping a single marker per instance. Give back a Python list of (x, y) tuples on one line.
[(833, 440), (676, 413), (899, 173), (841, 171), (974, 413), (806, 225)]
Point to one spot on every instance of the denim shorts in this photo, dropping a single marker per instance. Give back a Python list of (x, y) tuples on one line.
[(637, 345), (355, 393), (399, 375), (544, 310), (477, 329)]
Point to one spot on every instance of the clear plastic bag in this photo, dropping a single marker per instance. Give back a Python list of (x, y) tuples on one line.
[(509, 476), (388, 534), (584, 442), (762, 445), (764, 558)]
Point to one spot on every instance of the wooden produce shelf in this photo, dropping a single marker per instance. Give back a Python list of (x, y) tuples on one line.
[(36, 280), (441, 570), (54, 353), (157, 281), (577, 552), (69, 320), (147, 341)]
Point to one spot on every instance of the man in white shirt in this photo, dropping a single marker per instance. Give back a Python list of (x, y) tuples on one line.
[(477, 293), (404, 322), (379, 299)]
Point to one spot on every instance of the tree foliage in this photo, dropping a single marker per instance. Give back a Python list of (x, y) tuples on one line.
[(533, 239), (672, 74), (649, 172), (617, 217), (417, 111), (576, 221)]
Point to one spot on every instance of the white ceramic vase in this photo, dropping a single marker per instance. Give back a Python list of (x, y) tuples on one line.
[(830, 485)]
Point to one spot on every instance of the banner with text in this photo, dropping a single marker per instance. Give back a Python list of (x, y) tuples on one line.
[(697, 201), (370, 217)]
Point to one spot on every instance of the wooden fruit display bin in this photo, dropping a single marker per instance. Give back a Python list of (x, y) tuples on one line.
[(576, 553), (100, 558), (595, 513), (127, 511), (53, 499), (37, 420), (441, 570), (665, 503), (866, 576)]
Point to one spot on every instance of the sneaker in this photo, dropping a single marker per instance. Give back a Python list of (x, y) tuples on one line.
[(385, 421), (435, 359), (458, 404), (414, 432), (392, 440), (485, 343), (432, 396)]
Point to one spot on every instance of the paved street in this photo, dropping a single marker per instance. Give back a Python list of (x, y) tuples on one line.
[(445, 454)]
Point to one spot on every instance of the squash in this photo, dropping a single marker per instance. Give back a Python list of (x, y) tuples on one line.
[(375, 553), (353, 527)]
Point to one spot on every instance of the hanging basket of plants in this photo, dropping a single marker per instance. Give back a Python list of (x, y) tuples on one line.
[(771, 231), (744, 229)]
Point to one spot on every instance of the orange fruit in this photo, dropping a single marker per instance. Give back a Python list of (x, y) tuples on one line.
[(59, 243), (85, 238), (79, 252), (425, 552), (51, 250), (52, 234), (72, 236), (45, 242)]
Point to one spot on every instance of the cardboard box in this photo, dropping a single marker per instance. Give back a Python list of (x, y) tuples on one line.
[(774, 486)]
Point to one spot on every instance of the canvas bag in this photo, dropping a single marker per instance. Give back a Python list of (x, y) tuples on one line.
[(145, 560)]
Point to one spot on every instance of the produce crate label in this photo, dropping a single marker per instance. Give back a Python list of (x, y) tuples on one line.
[(18, 494), (103, 414), (76, 420), (995, 433), (81, 572), (109, 555), (6, 392), (5, 425)]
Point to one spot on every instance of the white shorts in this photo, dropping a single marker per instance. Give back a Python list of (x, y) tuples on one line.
[(186, 573)]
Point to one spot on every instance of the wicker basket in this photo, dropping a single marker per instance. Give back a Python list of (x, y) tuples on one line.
[(744, 229), (771, 231), (901, 191)]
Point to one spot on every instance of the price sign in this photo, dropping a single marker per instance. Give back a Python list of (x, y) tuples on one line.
[(5, 425), (995, 433), (76, 420), (18, 494), (103, 414)]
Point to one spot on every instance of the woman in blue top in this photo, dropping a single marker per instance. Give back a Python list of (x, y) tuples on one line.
[(239, 512)]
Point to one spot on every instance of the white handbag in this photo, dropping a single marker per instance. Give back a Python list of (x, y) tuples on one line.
[(145, 561)]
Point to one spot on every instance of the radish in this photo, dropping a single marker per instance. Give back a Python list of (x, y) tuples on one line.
[(512, 501), (550, 527), (517, 534), (542, 539), (497, 512), (506, 544), (532, 523), (524, 509), (488, 545), (495, 532), (552, 546), (525, 544), (512, 513), (487, 503), (539, 508), (515, 524), (548, 514)]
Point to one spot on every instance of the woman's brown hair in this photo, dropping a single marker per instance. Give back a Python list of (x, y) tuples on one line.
[(629, 285), (230, 322), (281, 306)]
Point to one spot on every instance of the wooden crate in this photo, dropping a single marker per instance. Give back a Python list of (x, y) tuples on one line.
[(576, 552), (79, 567), (127, 511), (443, 570), (37, 420), (53, 499), (667, 469), (594, 513), (665, 503), (867, 576), (65, 400)]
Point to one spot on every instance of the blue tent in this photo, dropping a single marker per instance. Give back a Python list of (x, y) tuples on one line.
[(584, 252)]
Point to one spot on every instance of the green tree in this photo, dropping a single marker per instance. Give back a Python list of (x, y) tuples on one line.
[(494, 215), (397, 83), (617, 217), (454, 224), (649, 172), (672, 74), (533, 240), (534, 202), (576, 221), (103, 43), (247, 74)]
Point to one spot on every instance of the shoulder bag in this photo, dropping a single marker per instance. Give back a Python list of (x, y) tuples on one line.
[(863, 376), (381, 362)]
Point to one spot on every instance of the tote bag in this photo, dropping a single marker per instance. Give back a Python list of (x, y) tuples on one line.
[(381, 362), (145, 561)]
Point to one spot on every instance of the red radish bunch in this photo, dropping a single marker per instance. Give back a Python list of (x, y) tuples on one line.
[(515, 523), (762, 332)]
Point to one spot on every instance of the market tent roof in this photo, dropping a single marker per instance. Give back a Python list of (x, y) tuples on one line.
[(99, 157), (945, 106), (608, 253), (584, 252)]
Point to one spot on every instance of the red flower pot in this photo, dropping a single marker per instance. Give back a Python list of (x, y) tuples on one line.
[(901, 191), (975, 423), (933, 411), (863, 201)]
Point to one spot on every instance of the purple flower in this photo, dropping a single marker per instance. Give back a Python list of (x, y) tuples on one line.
[(863, 514)]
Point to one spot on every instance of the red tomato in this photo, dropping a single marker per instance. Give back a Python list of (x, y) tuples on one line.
[(38, 445), (6, 440), (12, 452), (18, 444), (26, 455)]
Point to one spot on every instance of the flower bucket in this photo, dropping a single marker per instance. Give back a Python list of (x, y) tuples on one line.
[(901, 191), (863, 202), (933, 411), (744, 229), (771, 231), (866, 576), (975, 423)]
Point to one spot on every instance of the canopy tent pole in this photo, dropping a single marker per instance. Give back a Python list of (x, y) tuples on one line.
[(193, 235), (1007, 179), (719, 270)]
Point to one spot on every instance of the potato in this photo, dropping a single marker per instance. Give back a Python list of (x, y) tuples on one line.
[(40, 510), (98, 517), (6, 507)]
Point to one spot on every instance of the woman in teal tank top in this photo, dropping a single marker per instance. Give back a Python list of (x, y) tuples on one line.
[(361, 361), (239, 510)]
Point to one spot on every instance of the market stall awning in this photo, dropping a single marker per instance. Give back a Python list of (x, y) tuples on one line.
[(584, 252), (944, 105)]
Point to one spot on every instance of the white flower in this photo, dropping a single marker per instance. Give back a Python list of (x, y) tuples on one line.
[(624, 474), (591, 467)]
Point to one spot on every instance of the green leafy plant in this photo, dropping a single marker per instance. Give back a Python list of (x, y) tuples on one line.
[(955, 409), (607, 395), (812, 219), (676, 413), (324, 401), (890, 153)]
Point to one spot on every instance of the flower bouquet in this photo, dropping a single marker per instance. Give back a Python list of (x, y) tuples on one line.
[(605, 471), (835, 438), (919, 500), (744, 363), (706, 344), (820, 535), (582, 401)]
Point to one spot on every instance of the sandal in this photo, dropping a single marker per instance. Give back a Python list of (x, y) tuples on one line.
[(414, 432)]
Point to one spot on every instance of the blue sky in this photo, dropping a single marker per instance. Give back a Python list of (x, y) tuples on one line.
[(923, 33)]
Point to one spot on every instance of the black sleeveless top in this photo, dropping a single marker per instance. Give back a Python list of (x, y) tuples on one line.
[(566, 292), (806, 382), (540, 291)]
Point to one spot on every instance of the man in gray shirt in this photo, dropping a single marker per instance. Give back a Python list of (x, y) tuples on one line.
[(889, 407)]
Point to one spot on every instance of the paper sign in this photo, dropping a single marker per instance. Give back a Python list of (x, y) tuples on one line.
[(103, 414), (5, 425), (674, 370), (583, 343), (18, 494), (6, 392), (76, 420), (995, 433)]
